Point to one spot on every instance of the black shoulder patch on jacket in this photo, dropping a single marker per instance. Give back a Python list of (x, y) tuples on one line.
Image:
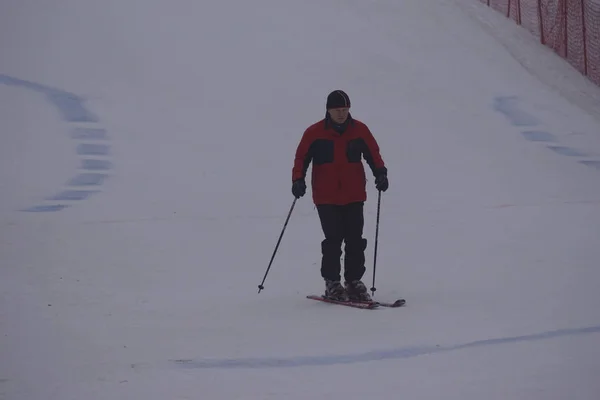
[(321, 151), (355, 149)]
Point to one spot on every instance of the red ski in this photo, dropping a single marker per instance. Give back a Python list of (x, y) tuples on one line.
[(395, 304), (364, 306), (369, 305)]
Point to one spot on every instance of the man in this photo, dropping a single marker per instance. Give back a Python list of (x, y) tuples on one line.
[(336, 145)]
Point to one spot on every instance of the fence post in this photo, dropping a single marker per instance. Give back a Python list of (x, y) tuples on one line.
[(565, 15), (541, 21), (584, 32), (519, 12)]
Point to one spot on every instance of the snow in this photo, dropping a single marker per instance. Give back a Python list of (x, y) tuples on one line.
[(142, 284)]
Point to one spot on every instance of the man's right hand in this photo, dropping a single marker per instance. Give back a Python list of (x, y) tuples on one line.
[(298, 188)]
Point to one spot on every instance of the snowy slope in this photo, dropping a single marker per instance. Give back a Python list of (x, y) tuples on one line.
[(145, 166)]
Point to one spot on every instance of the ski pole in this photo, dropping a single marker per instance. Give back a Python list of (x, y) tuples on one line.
[(373, 289), (261, 287)]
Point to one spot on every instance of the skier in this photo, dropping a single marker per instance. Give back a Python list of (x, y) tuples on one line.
[(335, 146)]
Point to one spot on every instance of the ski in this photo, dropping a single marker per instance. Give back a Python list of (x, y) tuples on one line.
[(364, 306), (395, 304)]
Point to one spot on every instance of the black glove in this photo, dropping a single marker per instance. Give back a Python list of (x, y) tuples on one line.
[(298, 188), (381, 180)]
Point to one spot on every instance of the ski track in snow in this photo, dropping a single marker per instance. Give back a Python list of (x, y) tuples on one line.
[(91, 141), (392, 354)]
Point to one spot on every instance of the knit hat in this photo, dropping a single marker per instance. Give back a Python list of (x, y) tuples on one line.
[(338, 99)]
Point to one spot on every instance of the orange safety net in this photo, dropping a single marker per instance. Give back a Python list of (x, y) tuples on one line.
[(570, 27)]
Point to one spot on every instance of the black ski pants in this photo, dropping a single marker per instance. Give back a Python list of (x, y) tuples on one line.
[(342, 224)]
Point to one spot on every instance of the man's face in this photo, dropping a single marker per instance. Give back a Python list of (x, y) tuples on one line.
[(339, 115)]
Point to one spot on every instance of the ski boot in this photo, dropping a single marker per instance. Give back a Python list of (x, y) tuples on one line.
[(357, 291), (335, 291)]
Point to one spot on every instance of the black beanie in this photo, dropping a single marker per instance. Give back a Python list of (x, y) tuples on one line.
[(338, 99)]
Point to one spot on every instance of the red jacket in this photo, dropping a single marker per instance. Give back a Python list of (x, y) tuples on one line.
[(338, 175)]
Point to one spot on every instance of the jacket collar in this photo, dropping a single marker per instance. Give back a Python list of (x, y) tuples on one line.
[(327, 123)]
